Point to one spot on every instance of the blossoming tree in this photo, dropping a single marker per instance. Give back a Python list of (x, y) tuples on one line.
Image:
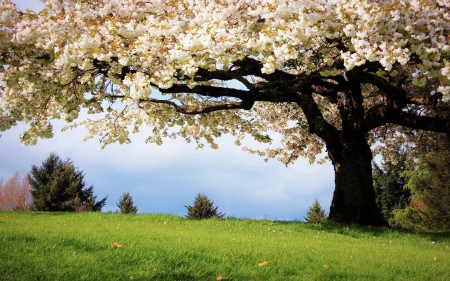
[(340, 75)]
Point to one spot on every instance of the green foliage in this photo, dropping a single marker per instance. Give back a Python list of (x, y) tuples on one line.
[(58, 186), (315, 213), (408, 218), (389, 183), (167, 247), (126, 204), (430, 187), (203, 208)]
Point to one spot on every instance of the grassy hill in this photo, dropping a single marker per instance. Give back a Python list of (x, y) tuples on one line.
[(112, 246)]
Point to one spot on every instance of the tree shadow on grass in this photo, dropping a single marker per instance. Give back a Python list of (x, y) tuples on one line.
[(356, 231), (360, 231)]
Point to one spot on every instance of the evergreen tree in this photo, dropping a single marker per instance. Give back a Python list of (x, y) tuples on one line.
[(430, 187), (389, 181), (126, 204), (203, 208), (315, 213), (58, 186)]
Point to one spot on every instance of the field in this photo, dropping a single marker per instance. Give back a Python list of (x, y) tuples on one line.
[(112, 246)]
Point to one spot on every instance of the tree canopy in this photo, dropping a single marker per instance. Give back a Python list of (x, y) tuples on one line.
[(339, 75)]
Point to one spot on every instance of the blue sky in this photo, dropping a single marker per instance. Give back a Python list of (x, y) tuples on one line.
[(162, 179)]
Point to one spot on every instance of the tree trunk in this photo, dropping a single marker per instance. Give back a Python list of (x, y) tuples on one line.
[(354, 195)]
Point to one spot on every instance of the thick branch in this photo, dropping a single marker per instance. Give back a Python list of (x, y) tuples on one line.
[(210, 91), (223, 75), (395, 96), (217, 92), (317, 123), (190, 111), (425, 100), (327, 89), (228, 106), (376, 116), (250, 66), (421, 122)]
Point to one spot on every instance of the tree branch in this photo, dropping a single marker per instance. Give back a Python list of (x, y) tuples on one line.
[(327, 89), (425, 100), (223, 75), (395, 96), (250, 66), (317, 123), (191, 111), (210, 91), (420, 122), (376, 116)]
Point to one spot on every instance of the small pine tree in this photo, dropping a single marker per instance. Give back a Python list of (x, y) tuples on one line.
[(126, 204), (203, 208), (315, 213)]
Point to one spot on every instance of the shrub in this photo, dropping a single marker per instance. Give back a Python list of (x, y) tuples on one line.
[(315, 213), (408, 218), (58, 186), (203, 208), (15, 193), (126, 204)]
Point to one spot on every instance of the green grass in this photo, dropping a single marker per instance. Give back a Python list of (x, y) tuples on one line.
[(78, 246)]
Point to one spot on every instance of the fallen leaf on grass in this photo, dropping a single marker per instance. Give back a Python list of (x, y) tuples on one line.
[(116, 245)]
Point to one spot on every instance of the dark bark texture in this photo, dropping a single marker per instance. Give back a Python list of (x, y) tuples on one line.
[(354, 198)]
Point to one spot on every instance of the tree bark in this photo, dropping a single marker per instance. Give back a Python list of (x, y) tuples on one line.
[(354, 195)]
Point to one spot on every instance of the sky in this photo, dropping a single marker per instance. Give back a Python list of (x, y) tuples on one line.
[(163, 179)]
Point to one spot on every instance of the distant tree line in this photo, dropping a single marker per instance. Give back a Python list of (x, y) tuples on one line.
[(412, 192)]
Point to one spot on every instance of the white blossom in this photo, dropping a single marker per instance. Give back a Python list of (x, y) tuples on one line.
[(161, 44)]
